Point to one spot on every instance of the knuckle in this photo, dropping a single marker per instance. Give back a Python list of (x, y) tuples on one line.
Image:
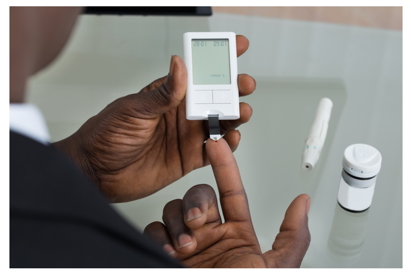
[(172, 210), (297, 239), (152, 228), (163, 94), (231, 193), (157, 94), (307, 239), (171, 205), (154, 85), (302, 239), (203, 187), (198, 195), (304, 233)]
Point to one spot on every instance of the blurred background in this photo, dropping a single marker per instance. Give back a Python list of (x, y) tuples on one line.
[(373, 17)]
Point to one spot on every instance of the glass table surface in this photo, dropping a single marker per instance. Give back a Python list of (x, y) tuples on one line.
[(295, 64)]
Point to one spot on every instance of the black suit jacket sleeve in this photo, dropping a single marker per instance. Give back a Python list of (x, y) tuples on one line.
[(58, 218)]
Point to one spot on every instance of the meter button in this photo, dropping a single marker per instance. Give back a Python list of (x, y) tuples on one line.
[(222, 96), (203, 97)]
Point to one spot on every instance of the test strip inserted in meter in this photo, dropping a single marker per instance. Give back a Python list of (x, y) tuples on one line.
[(212, 90)]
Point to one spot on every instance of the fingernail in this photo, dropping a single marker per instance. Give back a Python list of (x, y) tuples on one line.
[(169, 249), (193, 213), (184, 240), (307, 206)]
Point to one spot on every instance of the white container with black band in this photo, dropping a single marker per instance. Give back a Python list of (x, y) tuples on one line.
[(361, 165)]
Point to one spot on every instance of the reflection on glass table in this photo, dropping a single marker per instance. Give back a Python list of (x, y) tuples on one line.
[(347, 236)]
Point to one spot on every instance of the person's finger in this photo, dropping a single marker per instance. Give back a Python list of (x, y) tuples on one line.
[(245, 115), (163, 94), (292, 242), (242, 44), (200, 206), (233, 138), (246, 84), (158, 232), (182, 236), (230, 187)]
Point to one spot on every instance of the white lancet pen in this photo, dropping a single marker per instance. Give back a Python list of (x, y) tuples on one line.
[(316, 137)]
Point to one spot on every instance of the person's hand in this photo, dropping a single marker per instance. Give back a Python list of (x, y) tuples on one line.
[(194, 233), (142, 142)]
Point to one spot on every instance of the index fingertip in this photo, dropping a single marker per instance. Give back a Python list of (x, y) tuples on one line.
[(220, 154), (213, 147)]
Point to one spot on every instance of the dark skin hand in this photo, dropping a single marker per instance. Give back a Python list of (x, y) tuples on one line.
[(143, 142), (194, 233)]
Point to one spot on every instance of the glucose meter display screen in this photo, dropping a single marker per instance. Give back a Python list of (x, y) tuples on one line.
[(211, 61)]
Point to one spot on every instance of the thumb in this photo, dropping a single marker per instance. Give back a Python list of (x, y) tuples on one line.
[(164, 93), (292, 242)]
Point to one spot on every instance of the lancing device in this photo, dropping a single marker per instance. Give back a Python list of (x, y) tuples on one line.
[(212, 91), (316, 137)]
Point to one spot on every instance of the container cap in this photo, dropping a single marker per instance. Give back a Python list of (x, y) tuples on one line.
[(362, 160)]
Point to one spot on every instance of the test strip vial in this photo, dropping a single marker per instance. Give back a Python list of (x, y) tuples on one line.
[(361, 165)]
